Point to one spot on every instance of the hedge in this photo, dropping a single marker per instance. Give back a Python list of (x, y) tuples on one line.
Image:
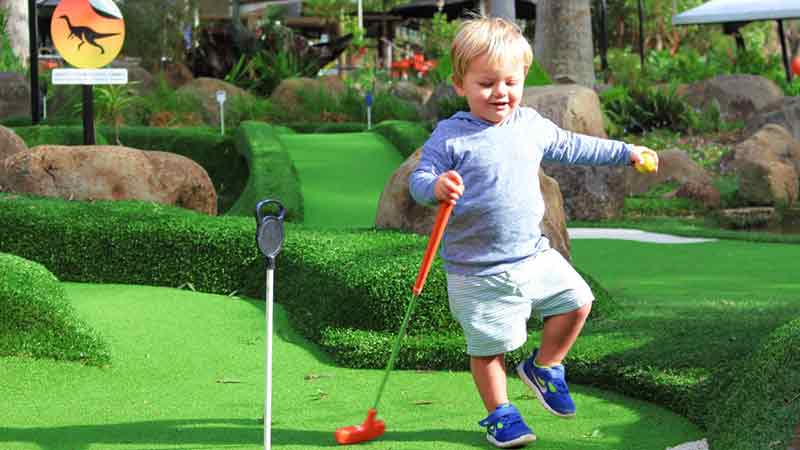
[(324, 283), (272, 172), (36, 319), (55, 135), (758, 406), (327, 127), (407, 137)]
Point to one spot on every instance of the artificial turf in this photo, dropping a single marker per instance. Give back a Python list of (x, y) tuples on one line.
[(687, 312), (342, 176), (187, 373)]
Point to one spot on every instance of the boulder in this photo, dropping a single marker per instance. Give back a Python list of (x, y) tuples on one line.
[(286, 94), (398, 211), (109, 173), (739, 96), (10, 143), (206, 89), (676, 166), (410, 92), (15, 95), (590, 193), (767, 165), (432, 109), (785, 113), (140, 80), (177, 75), (571, 106)]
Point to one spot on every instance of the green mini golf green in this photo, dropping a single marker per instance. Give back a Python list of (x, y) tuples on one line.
[(342, 176), (188, 369)]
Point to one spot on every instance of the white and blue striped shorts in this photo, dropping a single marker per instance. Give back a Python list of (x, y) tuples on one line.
[(494, 310)]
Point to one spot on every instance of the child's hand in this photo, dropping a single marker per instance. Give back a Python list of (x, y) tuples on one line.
[(644, 159), (449, 187)]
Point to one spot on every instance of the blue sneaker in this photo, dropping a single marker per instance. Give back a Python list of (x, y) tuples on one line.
[(549, 386), (505, 427)]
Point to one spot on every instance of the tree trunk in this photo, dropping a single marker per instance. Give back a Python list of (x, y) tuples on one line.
[(563, 40), (17, 27)]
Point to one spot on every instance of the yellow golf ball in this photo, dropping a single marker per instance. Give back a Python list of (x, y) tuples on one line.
[(649, 164)]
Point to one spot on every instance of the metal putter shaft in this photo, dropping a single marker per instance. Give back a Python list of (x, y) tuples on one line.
[(373, 428), (269, 237)]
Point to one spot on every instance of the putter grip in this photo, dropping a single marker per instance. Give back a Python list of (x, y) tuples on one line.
[(433, 245)]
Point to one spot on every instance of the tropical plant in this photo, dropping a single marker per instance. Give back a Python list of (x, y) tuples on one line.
[(439, 33), (8, 60), (112, 103), (165, 107)]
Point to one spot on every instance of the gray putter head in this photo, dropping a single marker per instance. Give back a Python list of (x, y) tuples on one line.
[(269, 232)]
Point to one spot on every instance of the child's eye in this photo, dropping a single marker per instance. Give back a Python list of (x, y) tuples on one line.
[(485, 85)]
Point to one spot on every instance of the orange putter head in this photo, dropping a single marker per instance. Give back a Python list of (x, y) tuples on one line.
[(371, 428)]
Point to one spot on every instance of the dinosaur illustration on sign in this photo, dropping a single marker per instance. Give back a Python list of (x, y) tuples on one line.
[(86, 35)]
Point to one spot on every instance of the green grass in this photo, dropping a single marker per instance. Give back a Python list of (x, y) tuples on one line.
[(686, 312), (341, 176), (690, 227), (187, 373)]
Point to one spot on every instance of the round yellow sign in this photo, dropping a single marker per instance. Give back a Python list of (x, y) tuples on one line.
[(88, 33)]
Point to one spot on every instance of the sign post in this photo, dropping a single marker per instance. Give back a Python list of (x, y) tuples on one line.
[(33, 63), (368, 100), (221, 95), (88, 35)]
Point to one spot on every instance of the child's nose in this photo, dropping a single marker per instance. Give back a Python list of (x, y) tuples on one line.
[(500, 90)]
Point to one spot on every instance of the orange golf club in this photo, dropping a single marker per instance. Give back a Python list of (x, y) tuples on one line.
[(372, 428)]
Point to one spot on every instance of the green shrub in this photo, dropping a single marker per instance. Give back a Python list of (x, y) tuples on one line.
[(660, 206), (37, 321), (728, 187), (407, 137), (166, 107), (655, 202), (246, 107), (272, 172), (759, 393), (642, 108)]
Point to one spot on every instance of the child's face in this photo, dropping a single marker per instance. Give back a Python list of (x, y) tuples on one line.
[(492, 91)]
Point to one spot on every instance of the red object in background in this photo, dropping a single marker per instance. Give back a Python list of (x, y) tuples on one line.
[(416, 62), (796, 65)]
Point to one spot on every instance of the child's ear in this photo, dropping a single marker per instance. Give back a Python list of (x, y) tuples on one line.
[(458, 86)]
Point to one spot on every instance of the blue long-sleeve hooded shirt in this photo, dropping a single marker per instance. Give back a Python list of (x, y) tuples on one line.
[(496, 223)]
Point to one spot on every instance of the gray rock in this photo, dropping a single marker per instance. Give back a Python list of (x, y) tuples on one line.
[(10, 144), (767, 164), (15, 95), (739, 96), (109, 173), (785, 113)]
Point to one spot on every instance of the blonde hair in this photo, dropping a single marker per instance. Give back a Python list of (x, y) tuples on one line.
[(498, 38)]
